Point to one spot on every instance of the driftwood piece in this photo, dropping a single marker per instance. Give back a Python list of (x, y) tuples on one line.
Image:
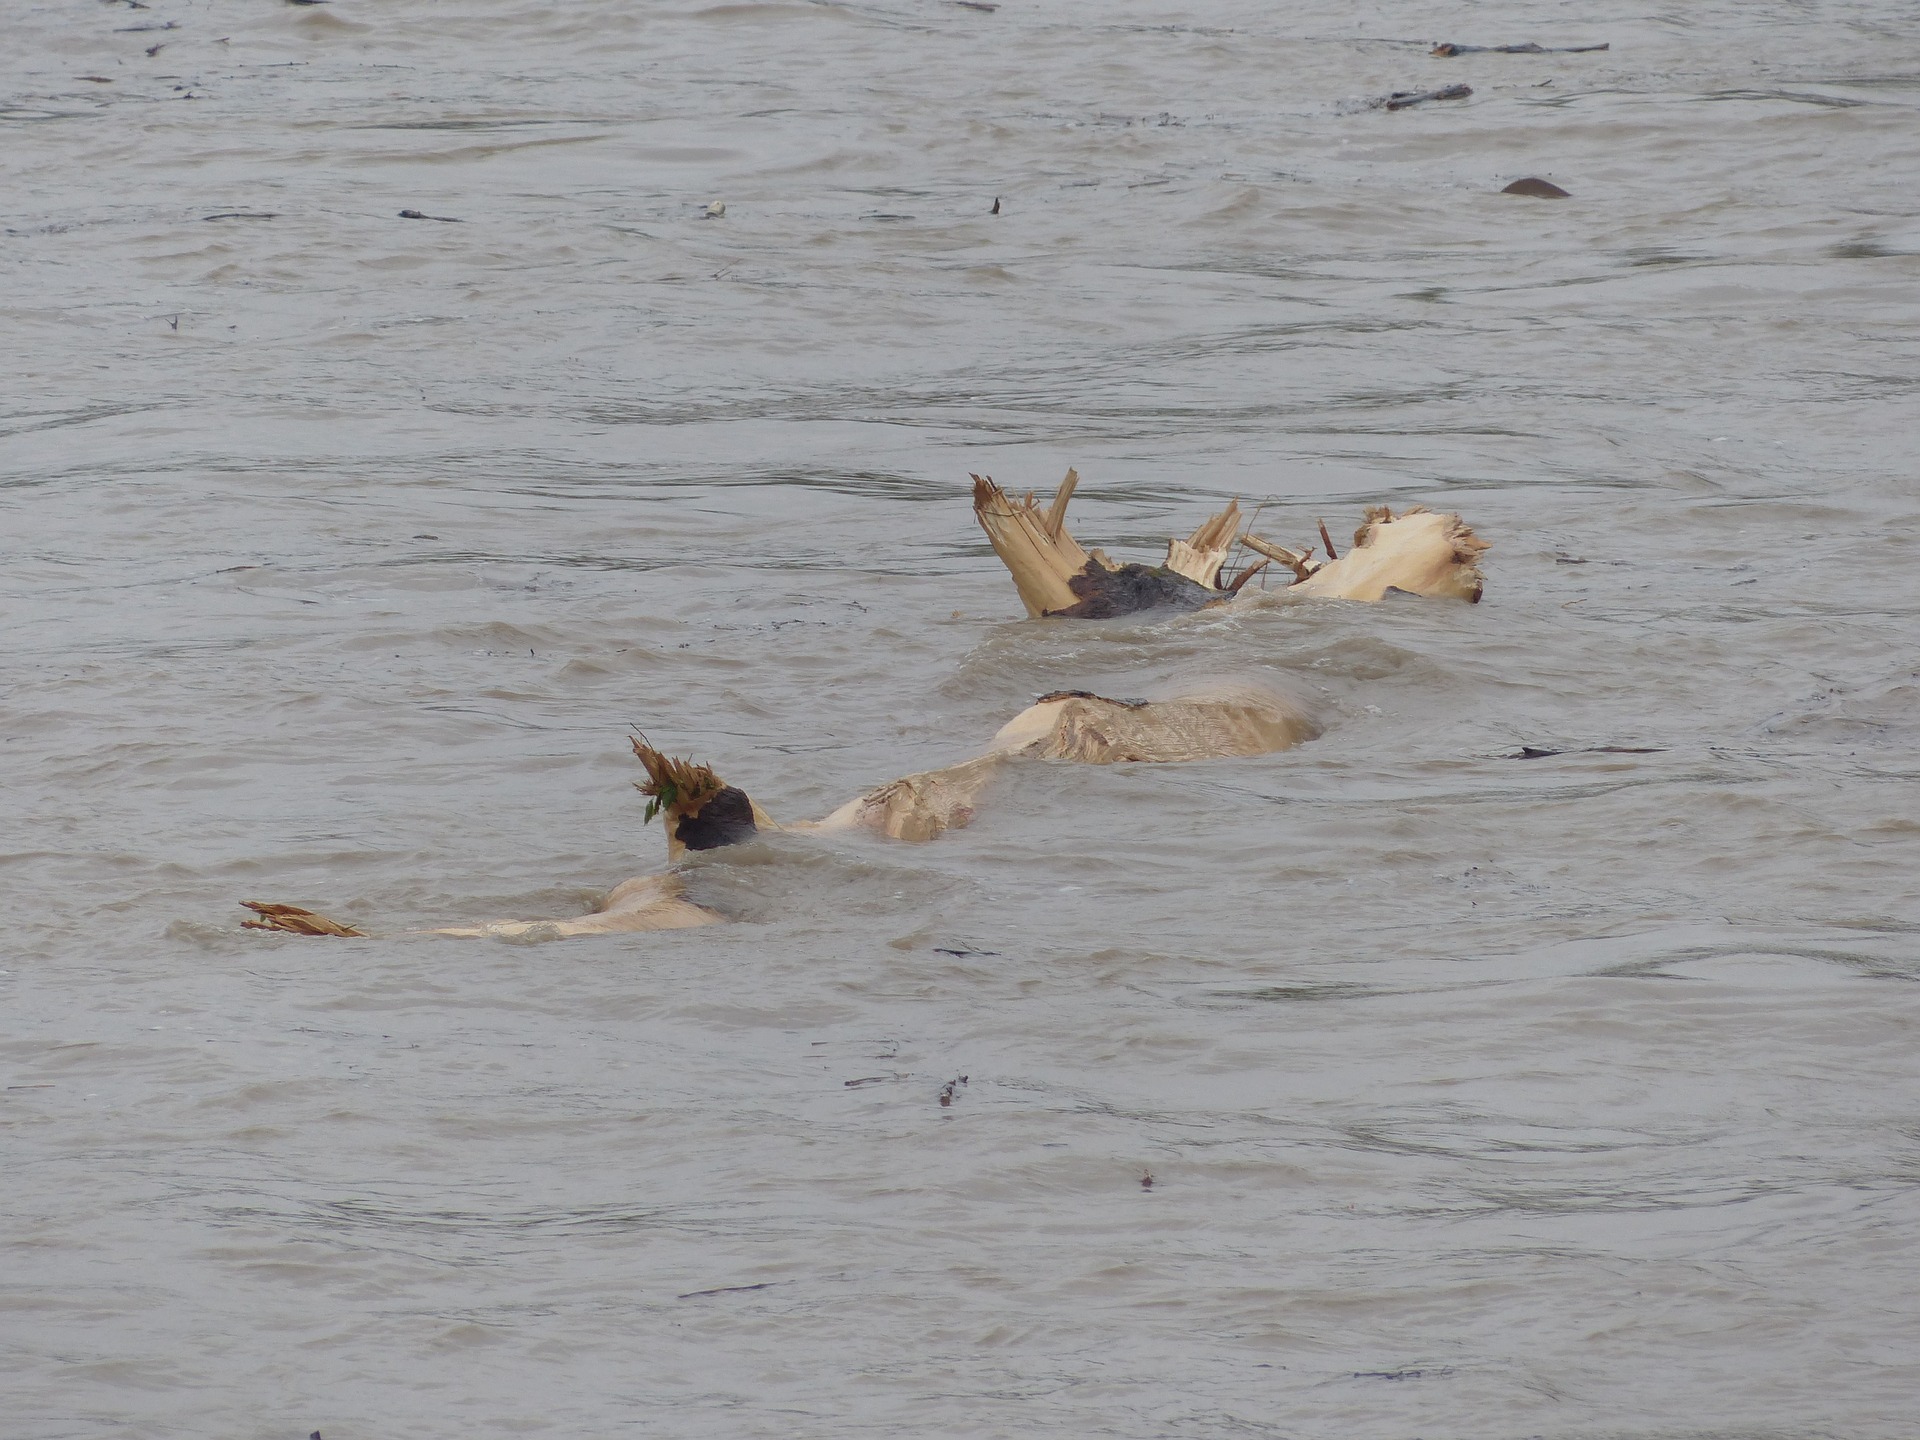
[(1200, 556), (1448, 48), (704, 812), (1036, 549), (1056, 577), (1420, 553), (1207, 725), (646, 902), (294, 920), (1405, 99), (1302, 565), (915, 808)]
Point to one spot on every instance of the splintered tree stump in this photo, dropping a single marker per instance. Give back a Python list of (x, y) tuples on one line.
[(1419, 552)]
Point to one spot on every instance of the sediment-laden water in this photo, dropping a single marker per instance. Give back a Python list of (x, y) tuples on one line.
[(1532, 1055)]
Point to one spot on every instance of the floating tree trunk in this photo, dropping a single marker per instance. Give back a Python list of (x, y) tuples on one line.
[(702, 812), (1419, 553)]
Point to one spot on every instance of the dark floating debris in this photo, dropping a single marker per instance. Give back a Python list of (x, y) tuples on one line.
[(1448, 48), (1541, 752), (1409, 1374), (947, 1091), (243, 215), (1401, 99), (1540, 189), (404, 214), (984, 5), (720, 1289), (96, 79), (994, 211), (1146, 1180), (146, 29)]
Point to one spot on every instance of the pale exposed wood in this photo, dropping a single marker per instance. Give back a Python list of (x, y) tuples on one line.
[(1200, 556), (646, 902), (1299, 564), (1057, 512), (1420, 552), (1207, 725), (1040, 557), (915, 807)]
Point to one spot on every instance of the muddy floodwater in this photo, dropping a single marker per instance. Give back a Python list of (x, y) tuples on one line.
[(1535, 1053)]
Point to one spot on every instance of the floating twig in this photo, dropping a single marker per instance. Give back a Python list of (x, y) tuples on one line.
[(725, 1289), (1448, 48), (1402, 99)]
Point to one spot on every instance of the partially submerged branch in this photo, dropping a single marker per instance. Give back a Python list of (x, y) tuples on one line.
[(1418, 553), (294, 920)]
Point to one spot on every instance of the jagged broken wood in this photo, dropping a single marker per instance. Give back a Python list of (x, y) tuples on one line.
[(1418, 552)]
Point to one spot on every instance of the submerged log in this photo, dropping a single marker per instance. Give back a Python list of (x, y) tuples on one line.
[(646, 902), (1077, 725), (1209, 725), (1536, 187), (703, 812), (1419, 553)]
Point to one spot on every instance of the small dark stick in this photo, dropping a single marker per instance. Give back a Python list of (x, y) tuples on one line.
[(996, 206), (1240, 580), (153, 50), (1327, 540)]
